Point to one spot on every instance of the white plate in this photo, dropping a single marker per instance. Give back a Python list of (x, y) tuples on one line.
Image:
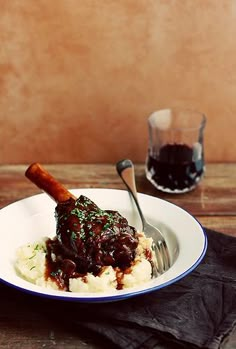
[(29, 219)]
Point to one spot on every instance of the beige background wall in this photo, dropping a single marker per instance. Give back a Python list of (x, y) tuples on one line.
[(78, 78)]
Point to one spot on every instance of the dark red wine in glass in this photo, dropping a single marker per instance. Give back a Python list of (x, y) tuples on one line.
[(177, 167)]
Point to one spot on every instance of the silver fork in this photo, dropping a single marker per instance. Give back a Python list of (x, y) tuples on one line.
[(125, 169)]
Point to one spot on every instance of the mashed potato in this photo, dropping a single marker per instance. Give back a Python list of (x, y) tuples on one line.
[(31, 265)]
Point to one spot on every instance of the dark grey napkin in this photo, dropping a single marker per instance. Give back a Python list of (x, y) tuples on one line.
[(197, 311)]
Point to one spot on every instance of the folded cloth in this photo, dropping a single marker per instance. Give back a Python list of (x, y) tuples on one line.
[(197, 311)]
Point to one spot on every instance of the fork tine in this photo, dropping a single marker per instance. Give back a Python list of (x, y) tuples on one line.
[(159, 256), (165, 254)]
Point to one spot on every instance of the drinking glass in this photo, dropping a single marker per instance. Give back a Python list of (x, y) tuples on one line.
[(175, 159)]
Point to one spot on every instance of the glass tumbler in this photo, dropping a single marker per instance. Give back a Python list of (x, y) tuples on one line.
[(175, 159)]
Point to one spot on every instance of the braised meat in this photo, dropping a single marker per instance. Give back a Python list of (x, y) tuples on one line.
[(89, 238)]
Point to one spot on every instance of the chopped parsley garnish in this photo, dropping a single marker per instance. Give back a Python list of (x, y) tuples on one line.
[(56, 273), (82, 236), (73, 235), (106, 226)]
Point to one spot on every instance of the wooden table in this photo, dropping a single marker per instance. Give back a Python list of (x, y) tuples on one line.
[(213, 203)]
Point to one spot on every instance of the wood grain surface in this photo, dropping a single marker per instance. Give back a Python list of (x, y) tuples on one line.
[(22, 325)]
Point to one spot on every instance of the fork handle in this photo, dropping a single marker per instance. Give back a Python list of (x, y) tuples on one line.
[(125, 169)]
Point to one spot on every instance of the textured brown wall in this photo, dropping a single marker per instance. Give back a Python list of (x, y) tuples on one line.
[(78, 78)]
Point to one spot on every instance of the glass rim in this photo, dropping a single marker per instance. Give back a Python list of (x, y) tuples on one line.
[(201, 124)]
